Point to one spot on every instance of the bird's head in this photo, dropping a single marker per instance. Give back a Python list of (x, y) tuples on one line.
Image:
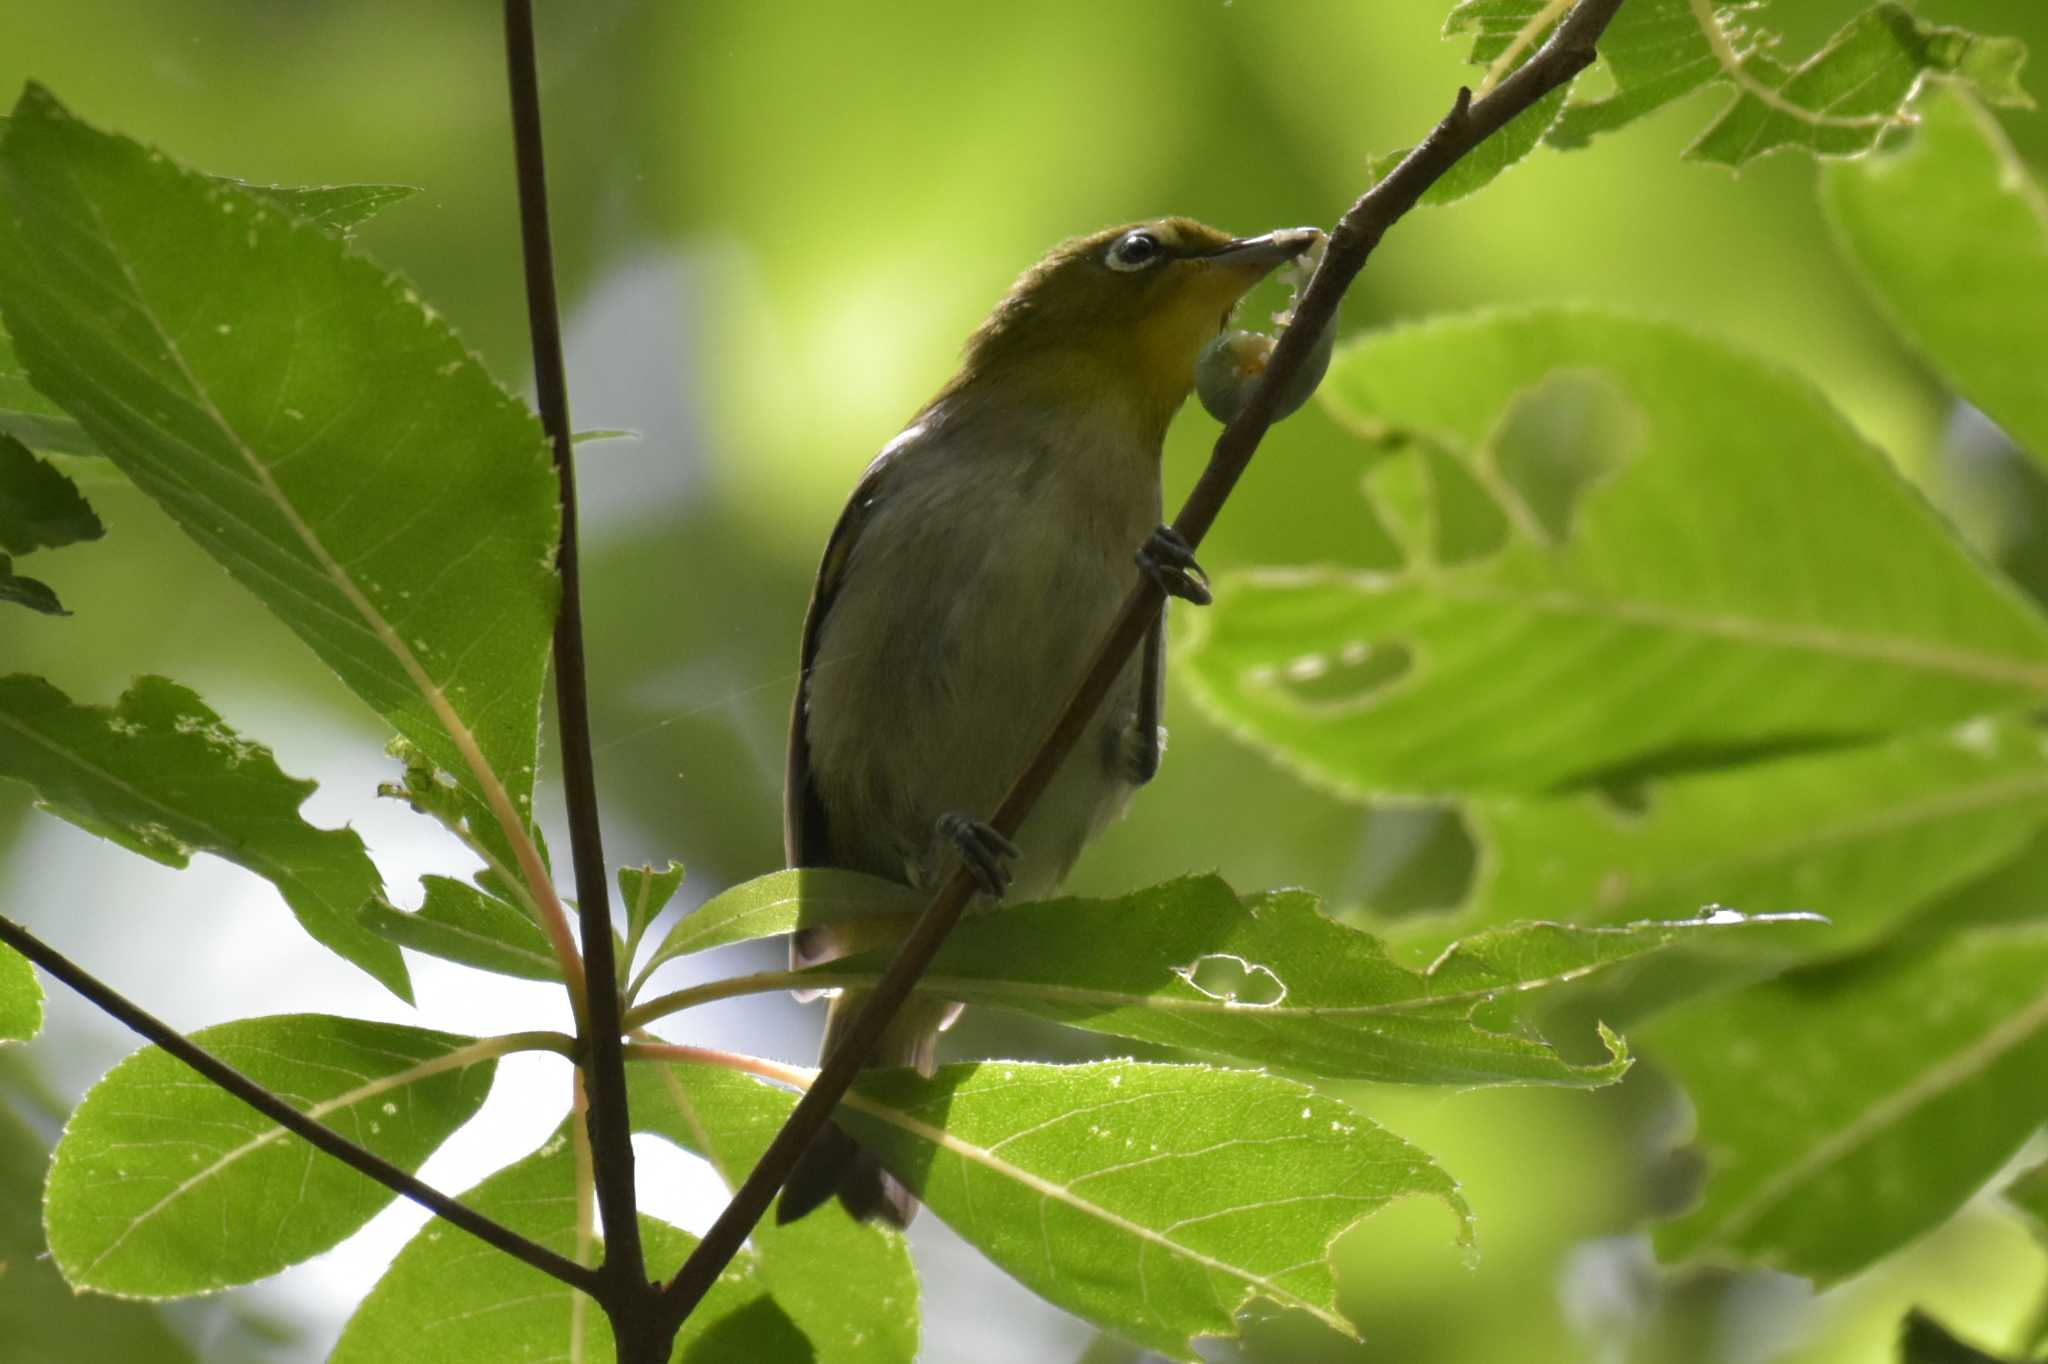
[(1121, 315)]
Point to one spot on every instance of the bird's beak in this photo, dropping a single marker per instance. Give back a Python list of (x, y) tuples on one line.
[(1263, 253)]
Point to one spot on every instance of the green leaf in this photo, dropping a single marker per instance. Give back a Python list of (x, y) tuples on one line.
[(459, 923), (33, 593), (41, 1320), (1844, 1110), (374, 488), (31, 418), (335, 207), (782, 902), (163, 776), (39, 507), (1864, 835), (1154, 1200), (849, 1286), (449, 1299), (1482, 165), (646, 893), (1269, 979), (1655, 51), (165, 1186), (1840, 101), (1950, 233), (21, 998), (1755, 578)]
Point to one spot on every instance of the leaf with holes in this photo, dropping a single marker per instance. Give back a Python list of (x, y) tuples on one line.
[(1154, 1200), (1753, 578), (302, 416), (449, 1299), (1269, 979), (21, 998), (1864, 835), (461, 923), (165, 1186), (1843, 1110), (1950, 232), (848, 1286), (163, 776), (1839, 101)]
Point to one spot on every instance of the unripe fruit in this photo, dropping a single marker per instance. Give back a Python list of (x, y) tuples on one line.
[(1232, 362)]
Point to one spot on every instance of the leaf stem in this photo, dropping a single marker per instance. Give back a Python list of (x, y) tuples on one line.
[(116, 1005), (796, 1077), (611, 1132), (760, 982), (1569, 50)]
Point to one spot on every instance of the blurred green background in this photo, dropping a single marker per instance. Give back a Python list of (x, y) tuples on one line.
[(776, 223)]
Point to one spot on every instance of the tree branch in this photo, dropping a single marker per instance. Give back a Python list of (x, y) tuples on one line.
[(611, 1130), (111, 1002), (1569, 51)]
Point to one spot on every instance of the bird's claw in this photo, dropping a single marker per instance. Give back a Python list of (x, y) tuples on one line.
[(1169, 561), (986, 853)]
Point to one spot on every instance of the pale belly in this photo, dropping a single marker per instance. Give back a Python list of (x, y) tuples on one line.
[(944, 659)]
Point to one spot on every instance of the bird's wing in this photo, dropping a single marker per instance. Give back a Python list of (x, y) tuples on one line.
[(806, 841)]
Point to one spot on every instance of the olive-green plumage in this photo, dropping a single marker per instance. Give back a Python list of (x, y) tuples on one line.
[(974, 570)]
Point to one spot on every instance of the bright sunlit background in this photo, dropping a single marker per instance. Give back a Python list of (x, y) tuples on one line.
[(776, 222)]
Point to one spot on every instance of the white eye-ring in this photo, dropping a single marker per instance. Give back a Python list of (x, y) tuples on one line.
[(1135, 251)]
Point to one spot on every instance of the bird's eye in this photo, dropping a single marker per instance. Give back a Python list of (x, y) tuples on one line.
[(1134, 251)]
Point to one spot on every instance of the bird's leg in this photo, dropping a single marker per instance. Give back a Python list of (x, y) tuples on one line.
[(1145, 741), (986, 852), (1169, 561)]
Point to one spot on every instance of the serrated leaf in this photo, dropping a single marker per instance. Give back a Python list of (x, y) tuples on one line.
[(165, 1186), (1154, 1200), (1655, 51), (1844, 1110), (782, 902), (42, 1321), (1756, 578), (1840, 101), (647, 893), (460, 923), (448, 1299), (849, 1286), (21, 998), (39, 507), (1949, 233), (33, 593), (1864, 835), (374, 488), (1482, 165), (1270, 980), (163, 776)]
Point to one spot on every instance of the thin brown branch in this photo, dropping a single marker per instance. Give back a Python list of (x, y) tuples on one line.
[(611, 1129), (118, 1006), (1569, 51)]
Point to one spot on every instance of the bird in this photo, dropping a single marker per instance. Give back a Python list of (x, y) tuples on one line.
[(974, 570)]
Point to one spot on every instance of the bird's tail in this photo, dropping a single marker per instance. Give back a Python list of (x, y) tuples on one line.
[(835, 1162)]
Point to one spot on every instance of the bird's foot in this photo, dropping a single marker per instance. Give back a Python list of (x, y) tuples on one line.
[(986, 853), (1169, 561)]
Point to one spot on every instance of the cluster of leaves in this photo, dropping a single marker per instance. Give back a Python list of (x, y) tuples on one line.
[(1671, 630), (1615, 529)]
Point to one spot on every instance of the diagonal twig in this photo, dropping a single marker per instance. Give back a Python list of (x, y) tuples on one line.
[(1569, 51), (611, 1133), (118, 1006)]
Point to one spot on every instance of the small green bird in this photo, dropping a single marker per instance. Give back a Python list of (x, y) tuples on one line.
[(968, 581)]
